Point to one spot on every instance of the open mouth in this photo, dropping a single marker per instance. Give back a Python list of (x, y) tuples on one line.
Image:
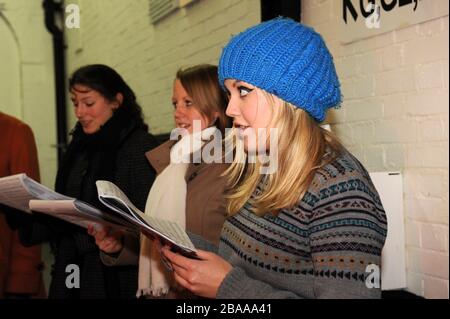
[(240, 126), (183, 125), (241, 129)]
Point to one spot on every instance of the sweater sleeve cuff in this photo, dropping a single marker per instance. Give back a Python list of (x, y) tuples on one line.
[(234, 284), (201, 243)]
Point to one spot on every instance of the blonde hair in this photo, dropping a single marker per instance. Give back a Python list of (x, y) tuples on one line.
[(302, 148), (202, 84)]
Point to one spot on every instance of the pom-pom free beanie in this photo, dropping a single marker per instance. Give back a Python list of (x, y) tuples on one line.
[(287, 59)]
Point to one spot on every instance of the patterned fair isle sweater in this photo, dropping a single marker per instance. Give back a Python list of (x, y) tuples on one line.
[(323, 248)]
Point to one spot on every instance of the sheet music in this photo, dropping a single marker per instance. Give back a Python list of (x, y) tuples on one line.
[(85, 208), (65, 210), (108, 189), (17, 190), (68, 210), (42, 192), (172, 230), (110, 195)]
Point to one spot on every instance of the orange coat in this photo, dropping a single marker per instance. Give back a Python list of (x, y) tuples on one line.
[(20, 267)]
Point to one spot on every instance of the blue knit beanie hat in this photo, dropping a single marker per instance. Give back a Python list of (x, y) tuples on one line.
[(286, 59)]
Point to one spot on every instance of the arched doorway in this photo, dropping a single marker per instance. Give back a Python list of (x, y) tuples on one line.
[(10, 80)]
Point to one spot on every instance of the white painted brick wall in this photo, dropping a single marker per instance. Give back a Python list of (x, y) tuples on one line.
[(119, 33), (26, 19), (395, 117), (434, 237), (395, 86), (430, 76), (434, 288)]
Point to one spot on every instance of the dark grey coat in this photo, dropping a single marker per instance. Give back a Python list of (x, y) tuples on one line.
[(127, 167)]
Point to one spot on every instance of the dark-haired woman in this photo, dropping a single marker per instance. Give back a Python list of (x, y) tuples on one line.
[(109, 142)]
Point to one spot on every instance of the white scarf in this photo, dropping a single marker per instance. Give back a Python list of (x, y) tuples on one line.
[(167, 200)]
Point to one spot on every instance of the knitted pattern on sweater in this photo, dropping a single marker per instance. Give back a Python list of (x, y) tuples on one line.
[(319, 249)]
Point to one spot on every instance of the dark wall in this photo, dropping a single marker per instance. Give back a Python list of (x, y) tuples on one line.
[(287, 8)]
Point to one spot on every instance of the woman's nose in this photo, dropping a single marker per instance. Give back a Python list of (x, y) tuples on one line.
[(232, 109), (178, 112), (79, 111)]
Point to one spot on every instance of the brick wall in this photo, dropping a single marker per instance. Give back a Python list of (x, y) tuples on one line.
[(395, 117), (36, 106), (119, 33)]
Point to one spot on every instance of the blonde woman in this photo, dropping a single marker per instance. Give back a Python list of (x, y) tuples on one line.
[(188, 191), (312, 228)]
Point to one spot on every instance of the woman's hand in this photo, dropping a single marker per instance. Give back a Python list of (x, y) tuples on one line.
[(202, 277), (107, 239)]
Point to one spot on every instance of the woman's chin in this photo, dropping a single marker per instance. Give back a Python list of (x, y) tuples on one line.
[(90, 130)]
